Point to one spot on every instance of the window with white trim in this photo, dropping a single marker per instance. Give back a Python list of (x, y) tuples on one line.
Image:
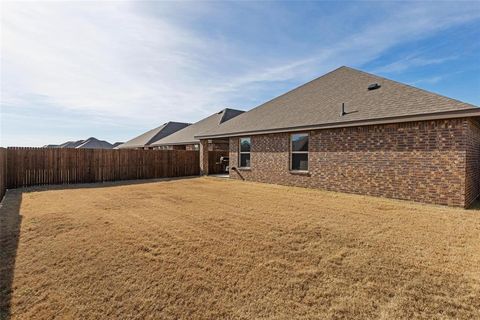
[(299, 152), (244, 152)]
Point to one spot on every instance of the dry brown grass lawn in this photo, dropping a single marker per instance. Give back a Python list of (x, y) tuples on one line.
[(207, 248)]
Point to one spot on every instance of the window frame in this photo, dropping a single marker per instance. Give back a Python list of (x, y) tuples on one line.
[(299, 152), (240, 152)]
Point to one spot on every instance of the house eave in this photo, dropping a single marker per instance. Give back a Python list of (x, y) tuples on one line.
[(174, 143), (474, 112)]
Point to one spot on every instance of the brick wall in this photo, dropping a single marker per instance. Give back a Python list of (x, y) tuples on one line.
[(210, 153), (422, 161), (472, 170), (204, 157)]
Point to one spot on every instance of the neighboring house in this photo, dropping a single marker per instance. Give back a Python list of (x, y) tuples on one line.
[(145, 140), (116, 144), (94, 143), (389, 139), (185, 139), (90, 143)]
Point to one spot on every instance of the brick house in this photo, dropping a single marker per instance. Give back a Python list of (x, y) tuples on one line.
[(144, 140), (355, 132), (184, 139)]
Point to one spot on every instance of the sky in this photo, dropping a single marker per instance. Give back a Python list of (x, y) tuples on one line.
[(113, 70)]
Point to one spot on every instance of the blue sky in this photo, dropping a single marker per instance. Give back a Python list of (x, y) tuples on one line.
[(71, 70)]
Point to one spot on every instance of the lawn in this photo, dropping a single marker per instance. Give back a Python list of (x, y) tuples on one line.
[(208, 248)]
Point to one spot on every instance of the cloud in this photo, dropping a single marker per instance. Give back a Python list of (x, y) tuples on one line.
[(365, 43), (412, 61), (101, 59), (146, 63), (430, 80)]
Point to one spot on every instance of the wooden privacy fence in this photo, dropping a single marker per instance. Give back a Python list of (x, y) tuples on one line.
[(3, 172), (41, 166), (214, 166)]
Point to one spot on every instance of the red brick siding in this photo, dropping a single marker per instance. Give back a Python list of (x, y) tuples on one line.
[(420, 161), (204, 157), (472, 175)]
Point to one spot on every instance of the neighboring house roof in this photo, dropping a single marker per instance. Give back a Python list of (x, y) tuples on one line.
[(318, 104), (93, 143), (116, 144), (153, 135), (187, 135), (71, 144)]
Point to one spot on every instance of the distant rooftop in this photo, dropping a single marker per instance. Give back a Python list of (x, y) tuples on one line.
[(94, 143), (187, 135), (153, 135), (90, 143)]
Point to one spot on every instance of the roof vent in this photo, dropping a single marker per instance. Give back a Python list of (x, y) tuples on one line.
[(374, 86)]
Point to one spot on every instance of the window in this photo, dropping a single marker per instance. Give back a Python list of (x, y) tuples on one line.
[(299, 152), (245, 152)]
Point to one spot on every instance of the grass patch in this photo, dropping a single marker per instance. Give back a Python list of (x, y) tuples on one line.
[(208, 248)]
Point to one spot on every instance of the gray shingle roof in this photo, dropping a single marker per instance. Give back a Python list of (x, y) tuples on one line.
[(71, 144), (319, 102), (94, 143), (187, 135), (153, 135)]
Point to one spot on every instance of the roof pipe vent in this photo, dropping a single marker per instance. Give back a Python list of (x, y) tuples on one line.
[(373, 86), (343, 109)]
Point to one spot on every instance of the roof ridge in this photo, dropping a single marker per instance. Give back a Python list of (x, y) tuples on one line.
[(156, 130), (303, 85), (296, 88), (224, 114), (177, 122)]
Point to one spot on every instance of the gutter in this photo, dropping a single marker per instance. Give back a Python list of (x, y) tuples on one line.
[(474, 112)]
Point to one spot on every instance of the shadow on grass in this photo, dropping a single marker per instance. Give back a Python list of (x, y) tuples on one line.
[(101, 184), (475, 206), (10, 221)]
